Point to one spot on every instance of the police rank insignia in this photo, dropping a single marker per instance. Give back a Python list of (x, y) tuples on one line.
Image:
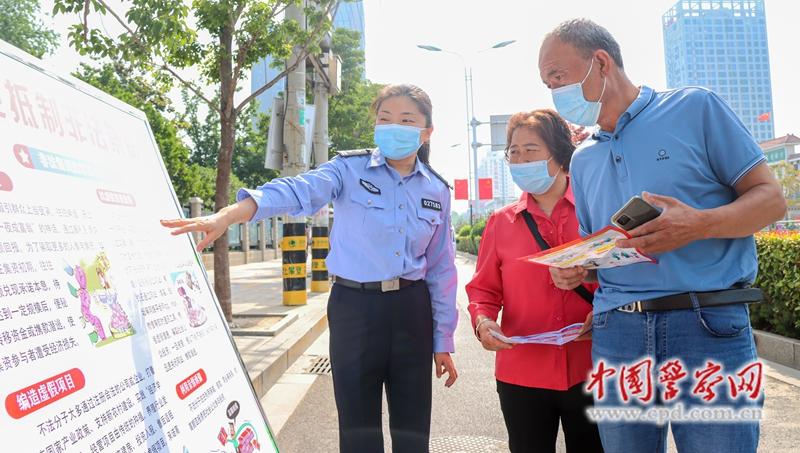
[(371, 188)]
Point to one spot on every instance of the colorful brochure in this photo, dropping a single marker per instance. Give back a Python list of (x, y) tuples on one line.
[(598, 251)]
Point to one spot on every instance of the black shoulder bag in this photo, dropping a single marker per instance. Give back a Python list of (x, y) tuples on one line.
[(581, 290)]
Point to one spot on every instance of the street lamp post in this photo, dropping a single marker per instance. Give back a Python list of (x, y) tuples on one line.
[(472, 123)]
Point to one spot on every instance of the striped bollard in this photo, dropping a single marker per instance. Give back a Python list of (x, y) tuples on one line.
[(320, 244), (293, 247)]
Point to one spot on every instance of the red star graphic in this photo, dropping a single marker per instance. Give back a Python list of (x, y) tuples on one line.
[(23, 155)]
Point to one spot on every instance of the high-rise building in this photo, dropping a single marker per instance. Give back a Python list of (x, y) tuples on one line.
[(494, 166), (504, 190), (349, 15), (722, 45)]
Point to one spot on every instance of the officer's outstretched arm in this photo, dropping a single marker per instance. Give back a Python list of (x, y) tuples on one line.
[(304, 194)]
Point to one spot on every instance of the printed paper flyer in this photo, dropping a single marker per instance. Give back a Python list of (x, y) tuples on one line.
[(110, 337), (555, 337), (597, 251)]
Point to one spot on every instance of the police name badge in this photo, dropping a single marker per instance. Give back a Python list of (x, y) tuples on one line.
[(431, 204)]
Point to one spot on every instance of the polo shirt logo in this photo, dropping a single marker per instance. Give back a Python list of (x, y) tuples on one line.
[(369, 187), (662, 155), (431, 204)]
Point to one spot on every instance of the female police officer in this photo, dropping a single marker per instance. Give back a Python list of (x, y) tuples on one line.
[(393, 299)]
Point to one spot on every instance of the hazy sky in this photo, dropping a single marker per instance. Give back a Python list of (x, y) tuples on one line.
[(507, 80)]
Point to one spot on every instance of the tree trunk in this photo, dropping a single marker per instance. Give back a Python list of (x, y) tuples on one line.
[(222, 274)]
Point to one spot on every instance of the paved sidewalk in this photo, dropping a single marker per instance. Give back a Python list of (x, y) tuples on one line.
[(256, 288)]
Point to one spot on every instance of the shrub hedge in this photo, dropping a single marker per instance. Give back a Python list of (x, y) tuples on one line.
[(779, 278)]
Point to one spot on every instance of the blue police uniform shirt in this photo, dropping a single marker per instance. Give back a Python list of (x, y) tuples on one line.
[(386, 226), (687, 144)]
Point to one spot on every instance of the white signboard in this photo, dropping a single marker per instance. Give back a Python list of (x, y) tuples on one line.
[(498, 125), (110, 337)]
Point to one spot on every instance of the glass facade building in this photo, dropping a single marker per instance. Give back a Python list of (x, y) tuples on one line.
[(722, 45), (348, 15)]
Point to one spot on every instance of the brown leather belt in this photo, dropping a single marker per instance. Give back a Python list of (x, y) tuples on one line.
[(383, 286), (684, 301)]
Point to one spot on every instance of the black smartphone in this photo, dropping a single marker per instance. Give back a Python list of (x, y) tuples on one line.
[(635, 212)]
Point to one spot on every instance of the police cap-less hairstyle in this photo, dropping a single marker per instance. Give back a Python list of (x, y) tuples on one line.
[(587, 37)]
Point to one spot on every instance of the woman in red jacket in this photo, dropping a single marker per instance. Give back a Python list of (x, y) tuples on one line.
[(539, 385)]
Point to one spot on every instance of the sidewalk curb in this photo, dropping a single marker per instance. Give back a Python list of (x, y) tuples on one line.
[(777, 348), (267, 358), (286, 320), (781, 373)]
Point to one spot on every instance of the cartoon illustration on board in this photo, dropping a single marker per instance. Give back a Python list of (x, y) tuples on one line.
[(101, 312), (188, 289), (242, 440)]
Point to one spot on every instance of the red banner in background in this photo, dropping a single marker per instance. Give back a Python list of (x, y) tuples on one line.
[(485, 189), (461, 189)]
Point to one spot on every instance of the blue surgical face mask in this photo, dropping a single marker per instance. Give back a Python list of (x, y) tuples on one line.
[(532, 177), (397, 141), (573, 106)]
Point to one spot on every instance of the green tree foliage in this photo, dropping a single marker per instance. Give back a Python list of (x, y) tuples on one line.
[(20, 25), (478, 227), (219, 39), (459, 220), (204, 185), (347, 44), (789, 178), (351, 123), (119, 82), (249, 147)]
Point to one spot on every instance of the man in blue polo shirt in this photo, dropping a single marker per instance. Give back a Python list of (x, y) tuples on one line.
[(688, 154)]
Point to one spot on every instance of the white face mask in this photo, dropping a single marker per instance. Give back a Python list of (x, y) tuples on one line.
[(572, 105), (396, 141), (533, 177)]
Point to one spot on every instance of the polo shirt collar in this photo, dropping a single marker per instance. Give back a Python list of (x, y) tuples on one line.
[(646, 95)]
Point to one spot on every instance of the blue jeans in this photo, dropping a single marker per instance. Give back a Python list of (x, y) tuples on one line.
[(696, 336)]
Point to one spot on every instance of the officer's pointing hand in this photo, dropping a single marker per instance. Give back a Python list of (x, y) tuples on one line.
[(212, 226)]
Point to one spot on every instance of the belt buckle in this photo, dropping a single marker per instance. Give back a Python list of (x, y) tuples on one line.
[(633, 307), (390, 285)]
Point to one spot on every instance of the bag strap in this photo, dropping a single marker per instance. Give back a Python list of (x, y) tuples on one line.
[(580, 289)]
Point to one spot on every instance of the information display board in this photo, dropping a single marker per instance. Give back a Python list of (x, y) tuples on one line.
[(111, 339)]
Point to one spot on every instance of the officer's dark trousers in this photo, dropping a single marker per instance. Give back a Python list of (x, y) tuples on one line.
[(382, 339)]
